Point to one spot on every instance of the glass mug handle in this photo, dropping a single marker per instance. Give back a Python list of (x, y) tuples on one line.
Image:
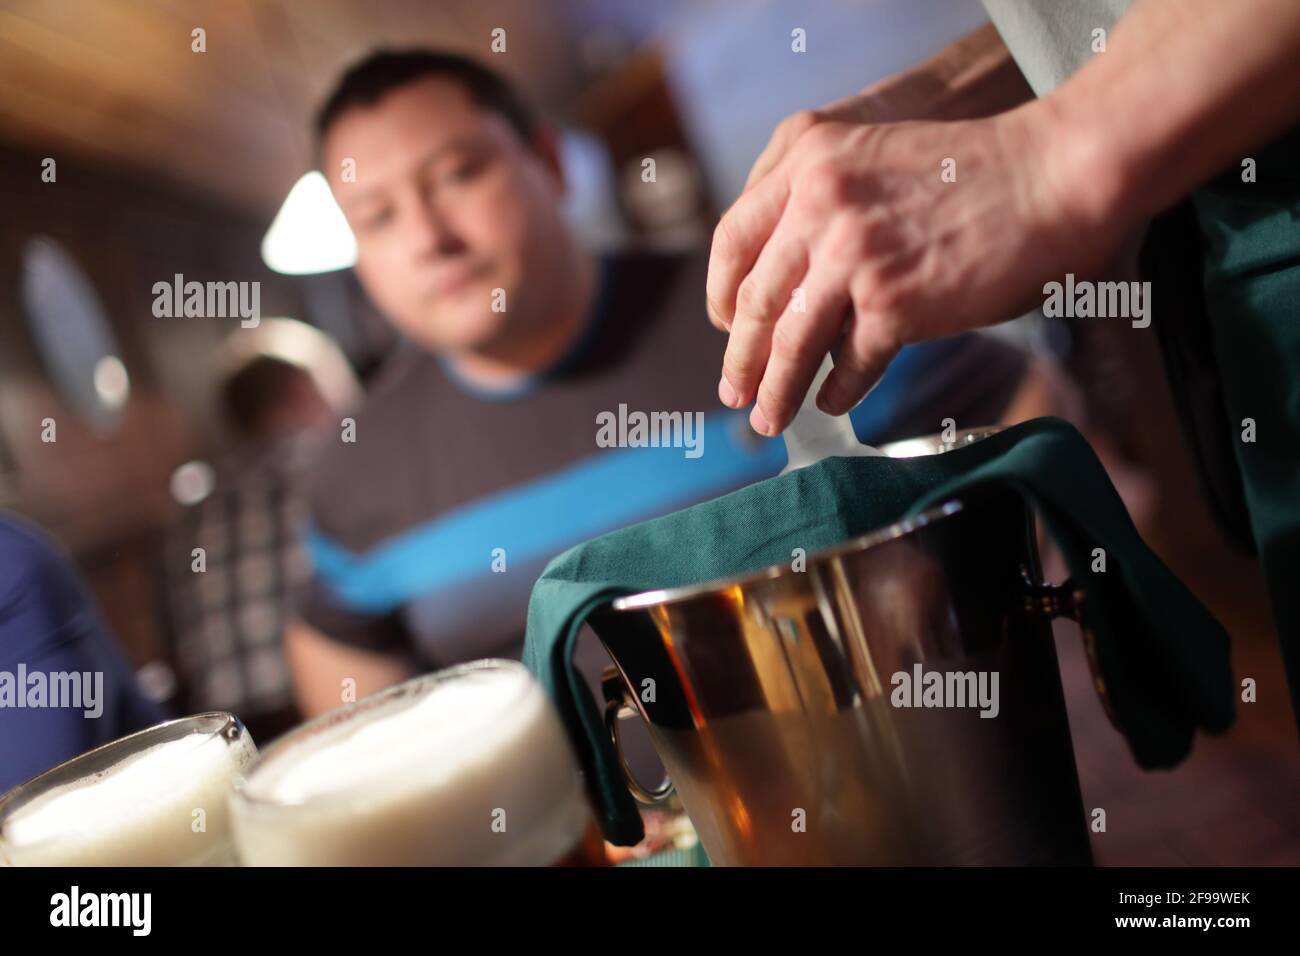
[(616, 705)]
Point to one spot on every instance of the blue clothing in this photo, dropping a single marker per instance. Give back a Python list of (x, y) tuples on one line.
[(49, 626)]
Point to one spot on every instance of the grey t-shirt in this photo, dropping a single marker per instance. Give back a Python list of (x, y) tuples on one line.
[(1050, 39)]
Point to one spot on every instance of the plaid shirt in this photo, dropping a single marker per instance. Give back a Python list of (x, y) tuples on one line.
[(226, 622)]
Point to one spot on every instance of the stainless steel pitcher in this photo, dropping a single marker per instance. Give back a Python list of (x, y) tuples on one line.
[(789, 710)]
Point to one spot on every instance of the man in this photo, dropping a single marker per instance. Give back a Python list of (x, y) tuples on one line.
[(849, 204), (481, 452), (224, 620)]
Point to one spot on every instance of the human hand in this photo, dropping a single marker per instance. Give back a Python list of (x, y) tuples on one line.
[(858, 223)]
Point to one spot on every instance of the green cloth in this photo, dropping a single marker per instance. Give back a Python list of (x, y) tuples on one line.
[(1163, 656), (1251, 274)]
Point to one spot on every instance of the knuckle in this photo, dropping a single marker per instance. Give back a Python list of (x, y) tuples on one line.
[(750, 299), (849, 238), (739, 369), (864, 290), (820, 137), (740, 360), (887, 303), (773, 403), (824, 184), (789, 344), (880, 323), (799, 122)]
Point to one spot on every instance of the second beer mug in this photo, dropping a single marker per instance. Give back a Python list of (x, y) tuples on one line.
[(468, 766)]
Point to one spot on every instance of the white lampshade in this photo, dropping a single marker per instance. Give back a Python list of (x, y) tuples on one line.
[(309, 233)]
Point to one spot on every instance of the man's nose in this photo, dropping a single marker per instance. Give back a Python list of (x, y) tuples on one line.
[(434, 232)]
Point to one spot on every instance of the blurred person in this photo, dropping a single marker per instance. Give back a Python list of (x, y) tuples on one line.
[(1164, 136), (477, 456), (225, 612), (52, 636)]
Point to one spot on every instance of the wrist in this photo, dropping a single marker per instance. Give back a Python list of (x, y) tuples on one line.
[(969, 79), (1092, 187)]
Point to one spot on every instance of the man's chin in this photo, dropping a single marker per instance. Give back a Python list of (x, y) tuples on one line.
[(462, 330)]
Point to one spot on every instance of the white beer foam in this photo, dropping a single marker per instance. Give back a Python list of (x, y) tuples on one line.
[(422, 781), (138, 811), (434, 736)]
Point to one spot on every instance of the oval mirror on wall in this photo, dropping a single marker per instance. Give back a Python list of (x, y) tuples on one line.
[(73, 335)]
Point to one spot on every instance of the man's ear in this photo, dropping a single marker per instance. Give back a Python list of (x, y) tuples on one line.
[(546, 144)]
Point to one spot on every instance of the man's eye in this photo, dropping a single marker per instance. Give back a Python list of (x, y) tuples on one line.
[(462, 171), (376, 220)]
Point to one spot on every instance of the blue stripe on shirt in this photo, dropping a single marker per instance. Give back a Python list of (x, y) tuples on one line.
[(539, 519)]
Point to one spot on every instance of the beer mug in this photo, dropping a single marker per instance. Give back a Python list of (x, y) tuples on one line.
[(159, 797), (467, 766)]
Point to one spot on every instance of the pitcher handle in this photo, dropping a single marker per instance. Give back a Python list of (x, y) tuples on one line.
[(615, 691), (1067, 600)]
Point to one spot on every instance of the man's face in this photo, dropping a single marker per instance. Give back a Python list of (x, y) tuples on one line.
[(449, 204)]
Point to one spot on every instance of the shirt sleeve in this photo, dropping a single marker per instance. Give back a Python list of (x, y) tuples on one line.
[(323, 609), (49, 626), (338, 598)]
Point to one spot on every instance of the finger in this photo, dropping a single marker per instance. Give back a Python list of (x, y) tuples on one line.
[(762, 297), (737, 241), (786, 132), (870, 344), (800, 340), (777, 147)]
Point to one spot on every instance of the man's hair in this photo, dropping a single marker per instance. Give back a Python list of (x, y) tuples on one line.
[(368, 81)]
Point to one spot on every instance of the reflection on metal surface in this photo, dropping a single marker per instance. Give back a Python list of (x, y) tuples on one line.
[(772, 710)]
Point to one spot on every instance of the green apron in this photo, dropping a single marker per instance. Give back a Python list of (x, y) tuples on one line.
[(1231, 343)]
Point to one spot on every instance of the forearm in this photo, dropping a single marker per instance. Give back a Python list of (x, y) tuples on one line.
[(973, 77), (321, 668), (1183, 90)]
